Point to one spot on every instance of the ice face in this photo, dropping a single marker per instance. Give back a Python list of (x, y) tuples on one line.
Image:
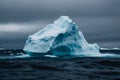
[(60, 38)]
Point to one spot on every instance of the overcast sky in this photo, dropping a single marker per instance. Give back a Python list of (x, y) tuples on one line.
[(99, 20)]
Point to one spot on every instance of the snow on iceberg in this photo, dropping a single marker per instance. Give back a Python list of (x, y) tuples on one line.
[(60, 38)]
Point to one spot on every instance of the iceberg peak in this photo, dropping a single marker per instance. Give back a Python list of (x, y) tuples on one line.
[(60, 38), (63, 19)]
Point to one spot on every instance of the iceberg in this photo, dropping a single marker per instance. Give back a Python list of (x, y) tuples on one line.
[(62, 38)]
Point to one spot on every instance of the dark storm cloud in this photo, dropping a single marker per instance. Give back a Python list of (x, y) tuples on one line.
[(12, 40), (99, 20), (27, 10)]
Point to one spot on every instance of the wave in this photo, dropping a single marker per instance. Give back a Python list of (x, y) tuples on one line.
[(100, 55)]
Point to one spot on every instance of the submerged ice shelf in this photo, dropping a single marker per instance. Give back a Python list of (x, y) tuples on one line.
[(60, 38)]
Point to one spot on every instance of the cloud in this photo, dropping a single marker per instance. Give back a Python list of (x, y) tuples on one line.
[(23, 26), (29, 10), (97, 19)]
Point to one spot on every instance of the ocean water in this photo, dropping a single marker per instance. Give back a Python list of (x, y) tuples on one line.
[(16, 65)]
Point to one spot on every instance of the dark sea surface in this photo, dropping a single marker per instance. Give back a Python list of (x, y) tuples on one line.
[(82, 68)]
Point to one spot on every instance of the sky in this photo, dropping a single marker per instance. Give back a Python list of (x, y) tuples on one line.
[(99, 20)]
